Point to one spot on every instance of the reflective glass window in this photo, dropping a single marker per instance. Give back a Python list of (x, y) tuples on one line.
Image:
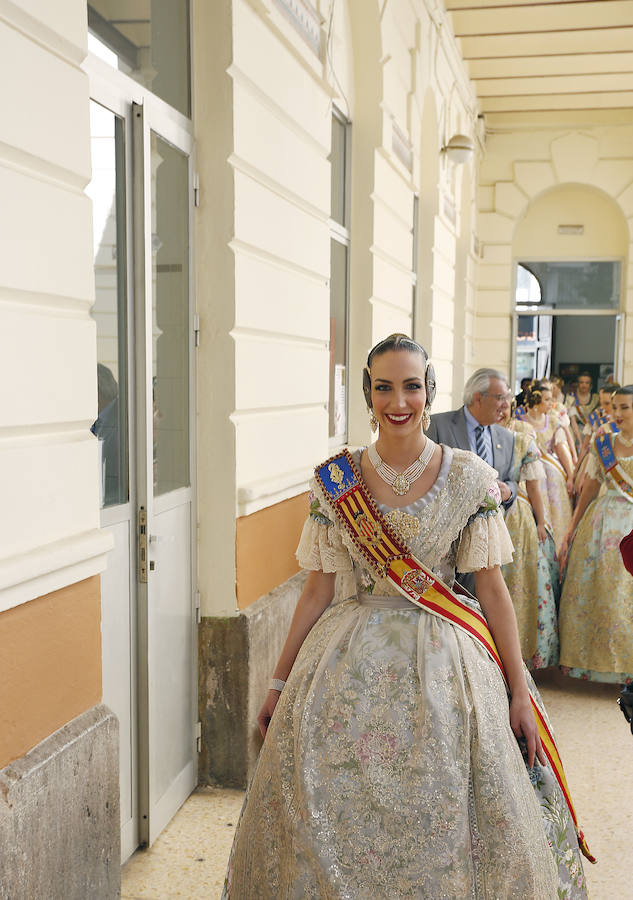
[(170, 315), (149, 41), (107, 192)]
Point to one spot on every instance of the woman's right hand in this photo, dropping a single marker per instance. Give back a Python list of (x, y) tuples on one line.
[(267, 710), (541, 532), (563, 553)]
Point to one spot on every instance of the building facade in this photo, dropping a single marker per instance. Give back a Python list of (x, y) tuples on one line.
[(211, 212)]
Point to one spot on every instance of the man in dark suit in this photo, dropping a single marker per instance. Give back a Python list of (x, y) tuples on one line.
[(474, 427)]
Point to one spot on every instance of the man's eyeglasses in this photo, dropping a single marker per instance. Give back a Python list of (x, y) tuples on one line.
[(499, 397)]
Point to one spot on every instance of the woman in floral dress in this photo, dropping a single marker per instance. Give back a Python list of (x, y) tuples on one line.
[(533, 576), (596, 612), (555, 456), (390, 766)]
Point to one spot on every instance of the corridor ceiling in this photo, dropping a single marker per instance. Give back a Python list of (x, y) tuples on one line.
[(547, 56)]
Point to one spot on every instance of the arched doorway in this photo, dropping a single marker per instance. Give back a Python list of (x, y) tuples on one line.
[(569, 252)]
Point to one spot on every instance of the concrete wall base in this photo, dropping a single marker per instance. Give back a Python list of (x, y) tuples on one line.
[(236, 659), (59, 814)]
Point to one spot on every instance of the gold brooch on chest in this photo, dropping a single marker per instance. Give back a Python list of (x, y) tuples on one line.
[(405, 525)]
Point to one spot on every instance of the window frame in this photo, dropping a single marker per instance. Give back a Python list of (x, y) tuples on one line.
[(342, 235)]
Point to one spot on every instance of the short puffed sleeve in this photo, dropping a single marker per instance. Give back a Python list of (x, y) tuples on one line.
[(485, 541), (531, 465), (559, 436), (594, 467), (587, 430), (321, 548)]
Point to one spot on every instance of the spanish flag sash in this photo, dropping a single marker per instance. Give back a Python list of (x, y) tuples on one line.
[(389, 557), (611, 465)]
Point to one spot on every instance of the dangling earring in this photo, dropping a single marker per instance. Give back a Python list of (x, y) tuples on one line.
[(426, 418), (373, 421)]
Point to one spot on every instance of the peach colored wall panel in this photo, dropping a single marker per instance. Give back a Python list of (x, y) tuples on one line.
[(50, 665), (265, 548)]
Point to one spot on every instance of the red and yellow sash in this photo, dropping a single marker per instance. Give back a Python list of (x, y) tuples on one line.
[(389, 557)]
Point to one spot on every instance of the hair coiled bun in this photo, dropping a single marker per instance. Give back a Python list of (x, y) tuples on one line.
[(535, 393)]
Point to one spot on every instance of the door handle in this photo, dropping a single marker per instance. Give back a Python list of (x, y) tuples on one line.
[(142, 545)]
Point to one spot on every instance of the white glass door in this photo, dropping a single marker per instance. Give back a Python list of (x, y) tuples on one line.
[(165, 464), (110, 136)]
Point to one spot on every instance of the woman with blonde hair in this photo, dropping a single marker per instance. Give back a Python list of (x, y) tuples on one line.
[(555, 456), (390, 766)]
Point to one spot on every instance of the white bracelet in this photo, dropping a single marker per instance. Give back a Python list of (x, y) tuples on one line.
[(277, 685)]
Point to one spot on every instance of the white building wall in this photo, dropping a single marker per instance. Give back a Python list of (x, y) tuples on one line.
[(49, 529), (377, 64), (282, 133)]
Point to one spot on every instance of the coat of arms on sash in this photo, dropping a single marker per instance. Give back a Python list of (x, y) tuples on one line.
[(369, 532), (416, 582)]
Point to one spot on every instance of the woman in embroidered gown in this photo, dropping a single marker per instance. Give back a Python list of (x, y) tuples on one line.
[(389, 767), (580, 404), (596, 612), (600, 416), (555, 456), (532, 577), (558, 405)]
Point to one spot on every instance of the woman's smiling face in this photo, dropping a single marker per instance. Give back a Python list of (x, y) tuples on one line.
[(398, 394), (622, 405)]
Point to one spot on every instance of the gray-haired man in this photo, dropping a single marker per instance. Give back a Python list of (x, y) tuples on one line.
[(474, 427)]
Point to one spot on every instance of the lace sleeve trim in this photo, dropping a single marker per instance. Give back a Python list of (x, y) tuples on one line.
[(532, 471), (485, 543), (321, 548)]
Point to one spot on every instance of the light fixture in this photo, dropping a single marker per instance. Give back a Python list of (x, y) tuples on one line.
[(459, 149)]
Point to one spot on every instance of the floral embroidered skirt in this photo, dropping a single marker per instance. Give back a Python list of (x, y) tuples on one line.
[(390, 771), (596, 607), (533, 582)]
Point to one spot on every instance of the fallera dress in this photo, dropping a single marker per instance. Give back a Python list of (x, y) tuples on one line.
[(389, 769), (596, 609), (557, 503), (533, 576)]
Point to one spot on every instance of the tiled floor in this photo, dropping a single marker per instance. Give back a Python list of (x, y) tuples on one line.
[(188, 860)]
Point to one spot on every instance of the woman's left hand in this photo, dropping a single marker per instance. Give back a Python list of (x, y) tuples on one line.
[(541, 532), (523, 724)]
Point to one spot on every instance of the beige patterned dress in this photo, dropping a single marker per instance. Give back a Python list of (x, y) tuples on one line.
[(557, 503), (390, 769), (532, 577), (596, 607)]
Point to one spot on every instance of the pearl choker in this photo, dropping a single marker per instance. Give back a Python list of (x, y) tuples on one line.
[(400, 482)]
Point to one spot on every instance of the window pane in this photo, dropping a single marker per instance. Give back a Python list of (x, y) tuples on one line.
[(107, 192), (149, 41), (576, 284), (338, 340), (337, 161), (170, 315)]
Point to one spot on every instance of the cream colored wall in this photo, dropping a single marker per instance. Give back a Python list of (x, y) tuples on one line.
[(384, 66), (49, 529), (532, 180)]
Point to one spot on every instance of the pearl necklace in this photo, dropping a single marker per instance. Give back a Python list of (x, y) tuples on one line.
[(400, 482), (628, 442)]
